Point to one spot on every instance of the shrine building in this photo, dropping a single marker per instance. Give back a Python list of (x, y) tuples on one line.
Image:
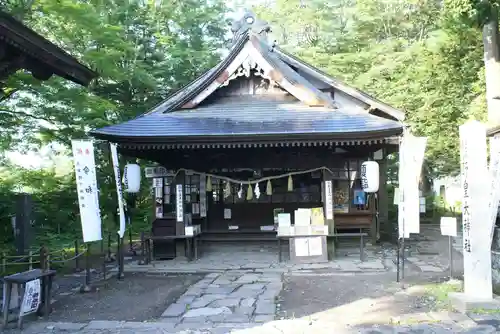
[(259, 134)]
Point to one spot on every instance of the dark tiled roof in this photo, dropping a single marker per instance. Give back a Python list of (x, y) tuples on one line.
[(349, 90), (232, 118), (292, 76)]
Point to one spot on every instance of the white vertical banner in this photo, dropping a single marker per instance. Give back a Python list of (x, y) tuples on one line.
[(203, 195), (86, 187), (328, 199), (119, 193), (179, 203), (414, 160), (494, 186), (411, 153), (475, 202)]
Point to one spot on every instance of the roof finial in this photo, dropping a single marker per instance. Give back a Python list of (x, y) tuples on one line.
[(249, 22)]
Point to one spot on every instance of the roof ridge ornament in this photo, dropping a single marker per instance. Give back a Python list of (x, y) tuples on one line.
[(249, 22)]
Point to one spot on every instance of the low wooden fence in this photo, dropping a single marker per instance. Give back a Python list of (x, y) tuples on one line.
[(91, 258)]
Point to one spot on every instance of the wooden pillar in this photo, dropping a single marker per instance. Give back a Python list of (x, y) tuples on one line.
[(327, 210), (384, 226)]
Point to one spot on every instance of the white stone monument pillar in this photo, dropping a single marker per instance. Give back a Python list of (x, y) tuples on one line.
[(476, 191)]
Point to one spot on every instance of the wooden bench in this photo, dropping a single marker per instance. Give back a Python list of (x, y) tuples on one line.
[(45, 277), (329, 236)]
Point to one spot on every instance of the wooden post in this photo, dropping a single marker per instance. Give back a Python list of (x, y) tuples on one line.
[(109, 246), (87, 266), (119, 257), (103, 254), (43, 259), (30, 256), (384, 225), (143, 251), (77, 253)]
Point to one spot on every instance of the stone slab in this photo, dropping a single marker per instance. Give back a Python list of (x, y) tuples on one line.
[(205, 300), (174, 310), (228, 302), (464, 304), (206, 312), (430, 269), (263, 318), (66, 326), (265, 307), (101, 324)]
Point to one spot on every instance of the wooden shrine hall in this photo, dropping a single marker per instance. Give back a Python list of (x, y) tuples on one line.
[(22, 48), (260, 134)]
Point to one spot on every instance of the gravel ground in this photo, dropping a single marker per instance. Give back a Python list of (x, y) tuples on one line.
[(139, 297)]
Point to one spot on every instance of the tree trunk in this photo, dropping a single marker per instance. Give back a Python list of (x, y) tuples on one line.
[(492, 68)]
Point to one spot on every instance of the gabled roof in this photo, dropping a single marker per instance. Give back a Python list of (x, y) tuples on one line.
[(337, 84), (31, 51), (187, 115)]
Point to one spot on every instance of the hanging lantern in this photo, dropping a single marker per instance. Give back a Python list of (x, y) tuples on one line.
[(290, 183), (209, 183), (240, 192), (132, 178), (257, 191), (370, 176), (249, 193), (269, 188)]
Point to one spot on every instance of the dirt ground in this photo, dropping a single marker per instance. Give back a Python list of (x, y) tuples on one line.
[(356, 298), (139, 297)]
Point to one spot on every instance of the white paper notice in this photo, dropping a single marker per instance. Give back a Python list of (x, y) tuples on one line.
[(301, 247), (329, 199), (315, 246), (227, 213), (397, 196), (203, 195), (86, 187), (449, 226), (32, 297), (179, 203), (284, 220)]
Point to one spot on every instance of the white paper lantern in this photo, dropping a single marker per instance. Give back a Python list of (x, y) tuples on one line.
[(370, 176), (132, 178)]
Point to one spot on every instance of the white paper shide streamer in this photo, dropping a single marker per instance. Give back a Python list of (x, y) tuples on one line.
[(86, 186), (116, 167)]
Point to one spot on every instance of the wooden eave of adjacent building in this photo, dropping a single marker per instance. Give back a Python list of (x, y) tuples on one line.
[(22, 48)]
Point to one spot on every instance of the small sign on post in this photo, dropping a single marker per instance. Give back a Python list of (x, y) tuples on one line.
[(449, 227)]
